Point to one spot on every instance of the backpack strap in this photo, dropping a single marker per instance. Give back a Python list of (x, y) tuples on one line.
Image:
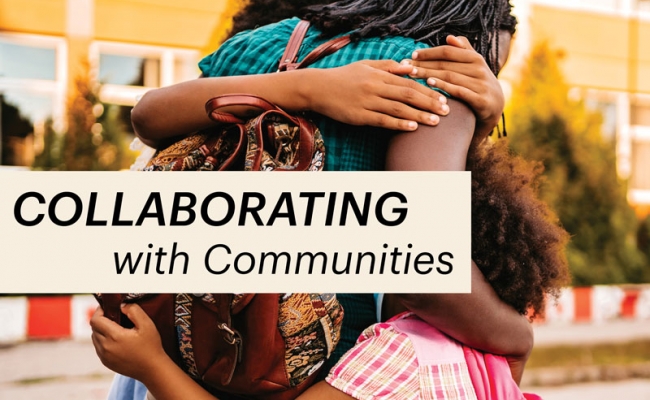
[(289, 59)]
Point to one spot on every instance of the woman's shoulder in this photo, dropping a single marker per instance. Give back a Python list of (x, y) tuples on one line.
[(249, 52), (395, 48)]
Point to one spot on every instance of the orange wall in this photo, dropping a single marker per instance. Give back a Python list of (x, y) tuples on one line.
[(602, 51), (45, 17)]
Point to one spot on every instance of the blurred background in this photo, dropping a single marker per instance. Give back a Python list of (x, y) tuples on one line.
[(578, 90)]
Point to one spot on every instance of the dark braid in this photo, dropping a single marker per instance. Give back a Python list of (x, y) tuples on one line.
[(428, 21), (257, 13)]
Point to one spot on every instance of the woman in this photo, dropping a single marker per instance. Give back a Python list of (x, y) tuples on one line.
[(450, 141)]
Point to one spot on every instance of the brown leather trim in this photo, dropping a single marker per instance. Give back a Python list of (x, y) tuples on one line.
[(295, 41), (321, 51), (213, 105)]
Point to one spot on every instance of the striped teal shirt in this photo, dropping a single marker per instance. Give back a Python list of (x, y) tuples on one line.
[(348, 148)]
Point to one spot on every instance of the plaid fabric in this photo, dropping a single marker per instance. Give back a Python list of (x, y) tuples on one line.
[(349, 148), (390, 364)]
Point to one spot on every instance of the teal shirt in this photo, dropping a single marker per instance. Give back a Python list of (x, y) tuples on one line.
[(348, 148)]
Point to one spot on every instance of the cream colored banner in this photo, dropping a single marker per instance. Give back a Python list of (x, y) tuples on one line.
[(364, 232)]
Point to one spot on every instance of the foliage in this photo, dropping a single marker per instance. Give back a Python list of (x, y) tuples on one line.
[(13, 124), (643, 237), (95, 139), (581, 183)]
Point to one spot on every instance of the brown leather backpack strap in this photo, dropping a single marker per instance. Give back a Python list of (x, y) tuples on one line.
[(290, 57), (324, 50), (110, 303), (295, 41), (213, 105)]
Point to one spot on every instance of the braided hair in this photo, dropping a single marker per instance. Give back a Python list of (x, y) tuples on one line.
[(257, 13), (428, 21)]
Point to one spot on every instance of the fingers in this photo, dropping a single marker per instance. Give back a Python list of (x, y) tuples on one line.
[(390, 66), (460, 92), (449, 53), (100, 324), (421, 102), (459, 41), (387, 110), (137, 315), (475, 84), (427, 69)]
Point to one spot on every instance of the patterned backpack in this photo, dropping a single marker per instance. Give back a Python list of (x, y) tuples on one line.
[(260, 346)]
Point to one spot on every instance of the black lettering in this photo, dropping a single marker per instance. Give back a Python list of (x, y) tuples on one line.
[(253, 210), (312, 257), (337, 271), (19, 204), (418, 261), (330, 209), (154, 199), (160, 254), (51, 211), (128, 259), (117, 210), (90, 220), (311, 197), (252, 263), (445, 262), (400, 211), (229, 213), (372, 261), (290, 214), (174, 255), (207, 259), (350, 201), (408, 259), (189, 209), (275, 257), (395, 253)]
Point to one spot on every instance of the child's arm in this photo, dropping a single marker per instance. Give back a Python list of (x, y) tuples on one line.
[(138, 353), (480, 319)]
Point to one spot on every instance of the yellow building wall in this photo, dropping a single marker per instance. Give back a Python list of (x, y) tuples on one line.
[(46, 17), (601, 51), (195, 24), (173, 23)]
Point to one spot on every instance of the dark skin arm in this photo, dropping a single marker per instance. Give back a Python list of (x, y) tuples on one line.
[(480, 319)]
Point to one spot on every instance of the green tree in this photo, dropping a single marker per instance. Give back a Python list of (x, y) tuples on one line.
[(580, 183), (95, 140)]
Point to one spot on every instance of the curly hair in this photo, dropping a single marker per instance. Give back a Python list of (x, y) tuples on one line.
[(517, 241)]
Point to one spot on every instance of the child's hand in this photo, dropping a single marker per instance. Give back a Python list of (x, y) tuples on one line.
[(463, 73), (373, 93), (132, 352)]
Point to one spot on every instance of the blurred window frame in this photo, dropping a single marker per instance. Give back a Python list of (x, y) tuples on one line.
[(55, 89), (175, 65)]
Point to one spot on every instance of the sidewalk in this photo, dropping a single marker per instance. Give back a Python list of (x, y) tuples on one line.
[(70, 370), (611, 331), (58, 370)]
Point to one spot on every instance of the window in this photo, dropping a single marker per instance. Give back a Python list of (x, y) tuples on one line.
[(32, 90), (640, 165), (643, 5), (27, 62), (608, 111), (127, 71), (640, 114)]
